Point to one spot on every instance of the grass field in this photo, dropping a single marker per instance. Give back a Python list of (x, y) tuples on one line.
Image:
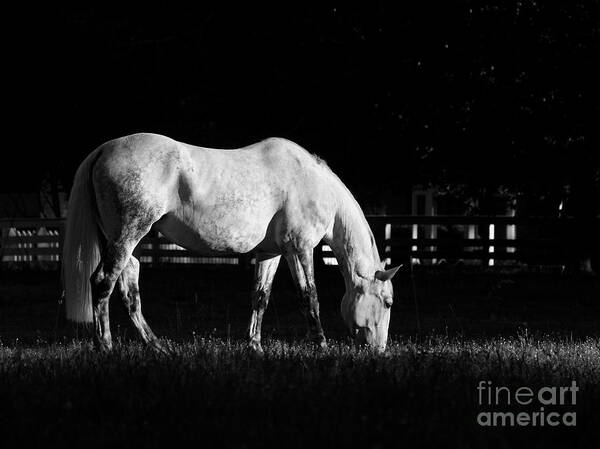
[(511, 330)]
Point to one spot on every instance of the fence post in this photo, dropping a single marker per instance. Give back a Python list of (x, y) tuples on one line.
[(414, 248), (155, 247), (387, 243), (491, 248)]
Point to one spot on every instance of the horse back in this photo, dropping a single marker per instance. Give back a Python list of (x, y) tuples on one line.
[(272, 192)]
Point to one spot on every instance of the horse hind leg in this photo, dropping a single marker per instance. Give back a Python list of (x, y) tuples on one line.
[(127, 209), (116, 256), (103, 281), (129, 291)]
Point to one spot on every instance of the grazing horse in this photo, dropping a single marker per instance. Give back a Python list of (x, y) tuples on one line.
[(272, 198)]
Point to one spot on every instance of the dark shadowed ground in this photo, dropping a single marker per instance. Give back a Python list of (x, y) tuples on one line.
[(515, 329), (180, 302)]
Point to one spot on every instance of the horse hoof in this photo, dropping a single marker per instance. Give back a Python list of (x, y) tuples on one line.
[(103, 347), (256, 349), (321, 344), (318, 342)]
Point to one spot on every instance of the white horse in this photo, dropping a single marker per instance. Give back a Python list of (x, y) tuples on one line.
[(272, 198)]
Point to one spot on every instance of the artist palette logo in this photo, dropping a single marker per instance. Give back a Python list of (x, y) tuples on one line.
[(523, 406)]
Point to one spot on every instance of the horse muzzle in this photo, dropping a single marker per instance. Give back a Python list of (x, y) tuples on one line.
[(365, 337)]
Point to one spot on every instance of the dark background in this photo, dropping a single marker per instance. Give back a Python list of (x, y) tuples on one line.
[(483, 97), (488, 99)]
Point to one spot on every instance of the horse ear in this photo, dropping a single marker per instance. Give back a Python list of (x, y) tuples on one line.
[(386, 275)]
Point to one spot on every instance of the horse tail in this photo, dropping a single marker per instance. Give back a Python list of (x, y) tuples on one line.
[(81, 250)]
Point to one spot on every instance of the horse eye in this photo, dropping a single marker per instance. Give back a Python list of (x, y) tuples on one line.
[(388, 301)]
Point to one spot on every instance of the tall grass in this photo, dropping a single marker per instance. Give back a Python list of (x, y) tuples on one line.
[(210, 392), (419, 393)]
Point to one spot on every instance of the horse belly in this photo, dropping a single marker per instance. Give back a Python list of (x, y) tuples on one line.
[(215, 230)]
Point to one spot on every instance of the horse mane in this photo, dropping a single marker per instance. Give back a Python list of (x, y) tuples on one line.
[(320, 160)]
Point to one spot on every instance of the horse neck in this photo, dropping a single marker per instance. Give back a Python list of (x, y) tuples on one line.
[(352, 242)]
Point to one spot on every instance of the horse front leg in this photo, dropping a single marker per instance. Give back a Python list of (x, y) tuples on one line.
[(264, 272), (302, 268)]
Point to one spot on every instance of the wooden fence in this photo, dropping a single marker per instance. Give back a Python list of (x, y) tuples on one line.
[(479, 240)]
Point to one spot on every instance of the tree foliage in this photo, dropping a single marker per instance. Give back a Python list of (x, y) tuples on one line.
[(490, 95)]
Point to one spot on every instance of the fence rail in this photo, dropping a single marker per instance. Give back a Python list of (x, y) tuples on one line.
[(479, 240)]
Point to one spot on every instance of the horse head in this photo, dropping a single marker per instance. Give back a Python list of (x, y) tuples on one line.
[(366, 309)]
